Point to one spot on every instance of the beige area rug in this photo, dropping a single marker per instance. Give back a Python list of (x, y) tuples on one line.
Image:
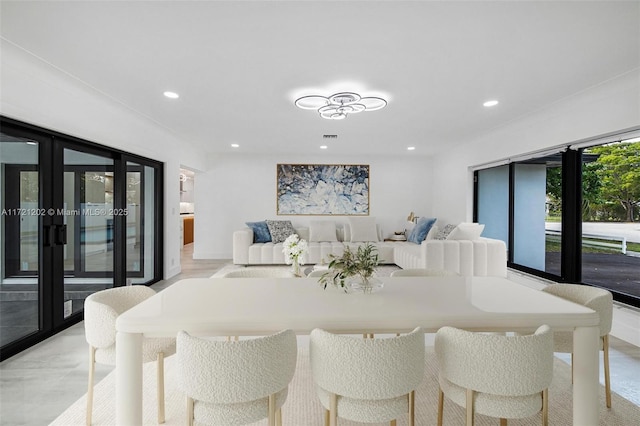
[(382, 271), (303, 408)]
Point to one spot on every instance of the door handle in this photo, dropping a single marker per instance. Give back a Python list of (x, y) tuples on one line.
[(61, 234), (48, 235)]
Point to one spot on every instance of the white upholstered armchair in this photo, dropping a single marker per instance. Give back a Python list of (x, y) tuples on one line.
[(601, 301), (101, 309), (259, 273), (423, 272), (367, 380), (495, 375), (238, 382)]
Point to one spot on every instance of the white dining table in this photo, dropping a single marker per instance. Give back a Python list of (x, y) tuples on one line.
[(260, 306)]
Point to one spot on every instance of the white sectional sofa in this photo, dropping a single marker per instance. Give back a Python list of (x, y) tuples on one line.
[(246, 252), (481, 257), (478, 257)]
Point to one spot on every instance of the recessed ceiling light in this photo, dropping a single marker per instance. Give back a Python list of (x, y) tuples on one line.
[(31, 143), (411, 148), (490, 103), (171, 95), (235, 145), (323, 147)]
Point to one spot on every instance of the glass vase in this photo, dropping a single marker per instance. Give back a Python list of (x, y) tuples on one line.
[(295, 267), (364, 285)]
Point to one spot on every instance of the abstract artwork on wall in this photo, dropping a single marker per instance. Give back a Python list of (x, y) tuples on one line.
[(322, 189)]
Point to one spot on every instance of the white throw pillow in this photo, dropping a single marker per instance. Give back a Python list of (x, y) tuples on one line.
[(363, 229), (466, 231), (322, 230), (431, 235)]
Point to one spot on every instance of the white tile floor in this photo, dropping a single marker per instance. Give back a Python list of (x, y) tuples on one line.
[(41, 382)]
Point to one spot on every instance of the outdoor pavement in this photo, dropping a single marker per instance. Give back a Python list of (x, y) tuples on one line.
[(613, 229)]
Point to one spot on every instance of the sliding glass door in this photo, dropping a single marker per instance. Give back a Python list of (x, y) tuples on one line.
[(76, 218), (571, 215), (19, 231), (87, 219), (141, 239)]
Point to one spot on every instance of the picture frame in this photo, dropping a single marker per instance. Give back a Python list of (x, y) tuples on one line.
[(322, 189)]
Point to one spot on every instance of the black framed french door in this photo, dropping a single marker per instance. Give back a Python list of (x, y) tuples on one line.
[(77, 218)]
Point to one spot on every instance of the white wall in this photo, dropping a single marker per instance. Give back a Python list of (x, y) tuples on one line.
[(36, 92), (611, 106), (239, 189)]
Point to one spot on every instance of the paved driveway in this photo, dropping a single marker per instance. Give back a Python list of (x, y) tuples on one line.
[(614, 229)]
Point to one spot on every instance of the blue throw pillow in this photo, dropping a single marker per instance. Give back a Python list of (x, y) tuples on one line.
[(420, 231), (261, 232)]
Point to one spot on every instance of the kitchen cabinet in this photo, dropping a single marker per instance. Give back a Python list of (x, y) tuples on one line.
[(187, 229)]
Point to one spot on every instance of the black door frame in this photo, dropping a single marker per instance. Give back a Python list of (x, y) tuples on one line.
[(51, 145)]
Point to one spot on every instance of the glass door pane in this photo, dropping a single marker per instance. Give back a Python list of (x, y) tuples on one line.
[(493, 202), (537, 213), (89, 220), (611, 216), (140, 223), (19, 232)]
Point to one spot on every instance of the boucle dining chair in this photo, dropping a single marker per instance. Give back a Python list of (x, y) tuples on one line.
[(238, 382), (601, 301), (422, 272), (495, 375), (101, 309), (367, 380), (260, 273), (317, 273)]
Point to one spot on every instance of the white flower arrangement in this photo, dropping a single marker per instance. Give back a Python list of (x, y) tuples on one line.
[(294, 249)]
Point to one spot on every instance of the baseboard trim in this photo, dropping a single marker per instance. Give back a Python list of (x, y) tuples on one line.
[(172, 272), (199, 254)]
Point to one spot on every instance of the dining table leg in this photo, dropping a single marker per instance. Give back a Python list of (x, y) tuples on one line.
[(585, 376), (128, 379)]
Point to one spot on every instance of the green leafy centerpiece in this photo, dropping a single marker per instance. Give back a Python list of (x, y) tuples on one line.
[(354, 271)]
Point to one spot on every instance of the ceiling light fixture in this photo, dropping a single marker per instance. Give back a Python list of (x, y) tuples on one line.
[(340, 105), (490, 103), (171, 95), (323, 147), (235, 145), (411, 148)]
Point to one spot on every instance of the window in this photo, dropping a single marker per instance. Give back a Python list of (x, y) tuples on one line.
[(572, 215), (611, 217)]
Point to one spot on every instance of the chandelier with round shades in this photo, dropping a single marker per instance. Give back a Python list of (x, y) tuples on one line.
[(340, 105)]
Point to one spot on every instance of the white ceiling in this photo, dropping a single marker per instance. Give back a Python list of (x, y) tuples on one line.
[(239, 65)]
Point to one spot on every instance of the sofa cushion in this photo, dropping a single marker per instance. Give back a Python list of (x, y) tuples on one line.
[(322, 230), (466, 231), (280, 230), (444, 232), (431, 235), (260, 230), (363, 229), (420, 231)]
